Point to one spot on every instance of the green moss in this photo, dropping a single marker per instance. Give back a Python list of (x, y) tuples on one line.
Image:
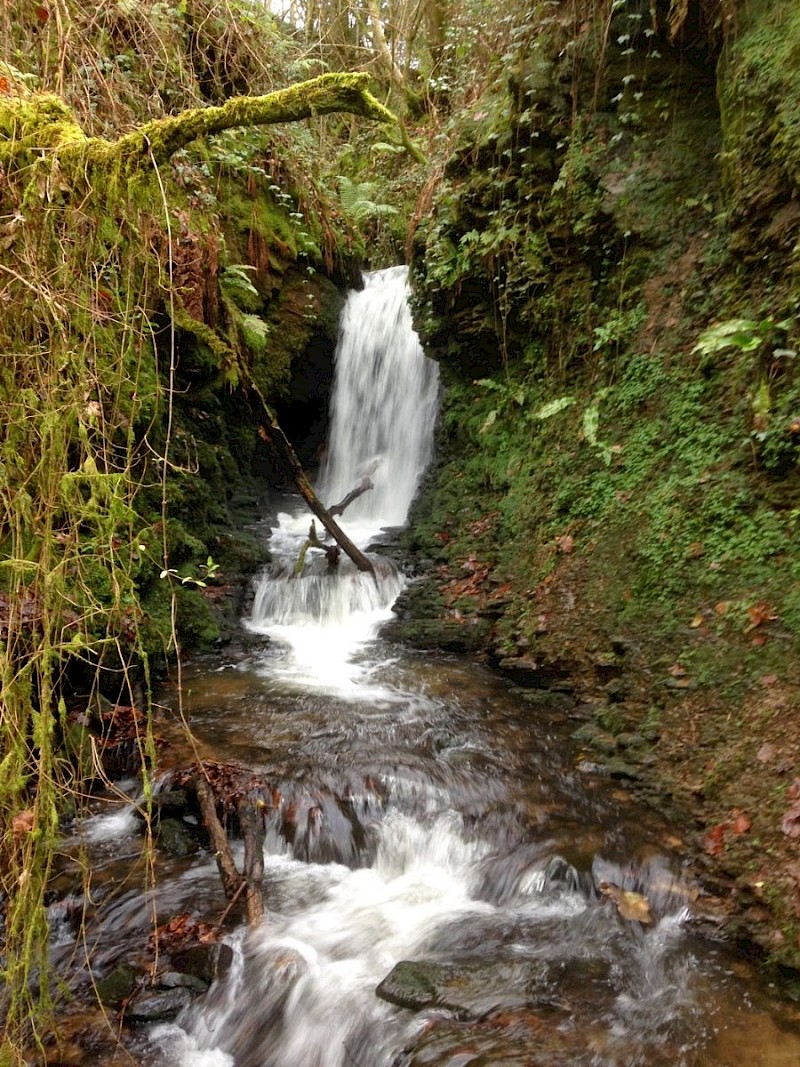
[(759, 84)]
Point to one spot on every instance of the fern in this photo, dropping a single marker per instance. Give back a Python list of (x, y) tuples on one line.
[(357, 200)]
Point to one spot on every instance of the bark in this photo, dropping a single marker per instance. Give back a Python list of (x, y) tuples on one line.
[(364, 486), (30, 123), (231, 878), (253, 834), (331, 551)]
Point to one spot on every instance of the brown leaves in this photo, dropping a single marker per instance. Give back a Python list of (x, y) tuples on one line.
[(181, 930), (23, 823), (565, 543), (758, 614), (633, 907), (717, 837), (790, 823)]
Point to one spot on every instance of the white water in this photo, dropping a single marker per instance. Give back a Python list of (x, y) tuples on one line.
[(384, 406), (382, 418), (444, 810)]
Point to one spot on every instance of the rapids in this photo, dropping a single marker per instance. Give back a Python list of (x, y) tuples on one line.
[(439, 817)]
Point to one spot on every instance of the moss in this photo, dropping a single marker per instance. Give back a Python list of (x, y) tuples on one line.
[(759, 84)]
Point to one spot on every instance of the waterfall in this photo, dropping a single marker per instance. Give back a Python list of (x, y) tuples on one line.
[(384, 404), (382, 418)]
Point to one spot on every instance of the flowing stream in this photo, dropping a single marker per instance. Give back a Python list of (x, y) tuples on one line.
[(437, 815)]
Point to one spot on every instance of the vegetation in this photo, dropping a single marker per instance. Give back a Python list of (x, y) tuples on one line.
[(601, 211), (139, 280), (619, 451)]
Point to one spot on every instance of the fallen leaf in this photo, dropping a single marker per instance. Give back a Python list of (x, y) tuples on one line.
[(696, 621), (22, 823), (768, 680), (565, 543), (632, 906), (677, 671), (790, 823), (758, 615), (766, 753), (714, 840), (723, 606), (740, 823)]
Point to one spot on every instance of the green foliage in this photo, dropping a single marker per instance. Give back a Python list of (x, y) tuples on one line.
[(358, 200)]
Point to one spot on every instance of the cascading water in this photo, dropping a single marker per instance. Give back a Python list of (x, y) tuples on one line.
[(382, 419), (384, 405), (429, 814)]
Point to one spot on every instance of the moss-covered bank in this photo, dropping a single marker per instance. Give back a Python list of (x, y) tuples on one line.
[(609, 281)]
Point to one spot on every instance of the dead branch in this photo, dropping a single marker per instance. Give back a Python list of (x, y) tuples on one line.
[(232, 880), (365, 485), (276, 437), (331, 551)]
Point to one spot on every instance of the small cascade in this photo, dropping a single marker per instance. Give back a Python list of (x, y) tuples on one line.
[(441, 886), (382, 419)]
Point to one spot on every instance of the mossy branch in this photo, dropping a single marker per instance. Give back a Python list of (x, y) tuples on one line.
[(33, 124)]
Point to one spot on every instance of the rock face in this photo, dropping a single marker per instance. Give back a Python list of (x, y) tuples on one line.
[(614, 471)]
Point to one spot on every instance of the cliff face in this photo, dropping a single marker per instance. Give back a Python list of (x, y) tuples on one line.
[(609, 280)]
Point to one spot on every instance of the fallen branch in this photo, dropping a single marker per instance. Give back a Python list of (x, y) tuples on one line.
[(252, 829), (331, 551), (354, 494), (232, 880), (276, 437), (33, 123)]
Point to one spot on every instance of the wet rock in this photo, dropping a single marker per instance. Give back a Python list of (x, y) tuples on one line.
[(680, 685), (518, 1038), (631, 741), (172, 802), (175, 980), (467, 636), (616, 690), (531, 674), (546, 699), (177, 838), (618, 768), (469, 990), (117, 985), (621, 646), (592, 735), (411, 985), (205, 962), (158, 1006)]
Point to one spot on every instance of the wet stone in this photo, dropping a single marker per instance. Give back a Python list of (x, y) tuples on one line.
[(204, 962), (158, 1006), (117, 985), (618, 768), (598, 739), (177, 838), (547, 699), (469, 989), (176, 980)]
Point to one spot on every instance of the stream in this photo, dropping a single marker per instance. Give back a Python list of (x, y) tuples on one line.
[(515, 907)]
